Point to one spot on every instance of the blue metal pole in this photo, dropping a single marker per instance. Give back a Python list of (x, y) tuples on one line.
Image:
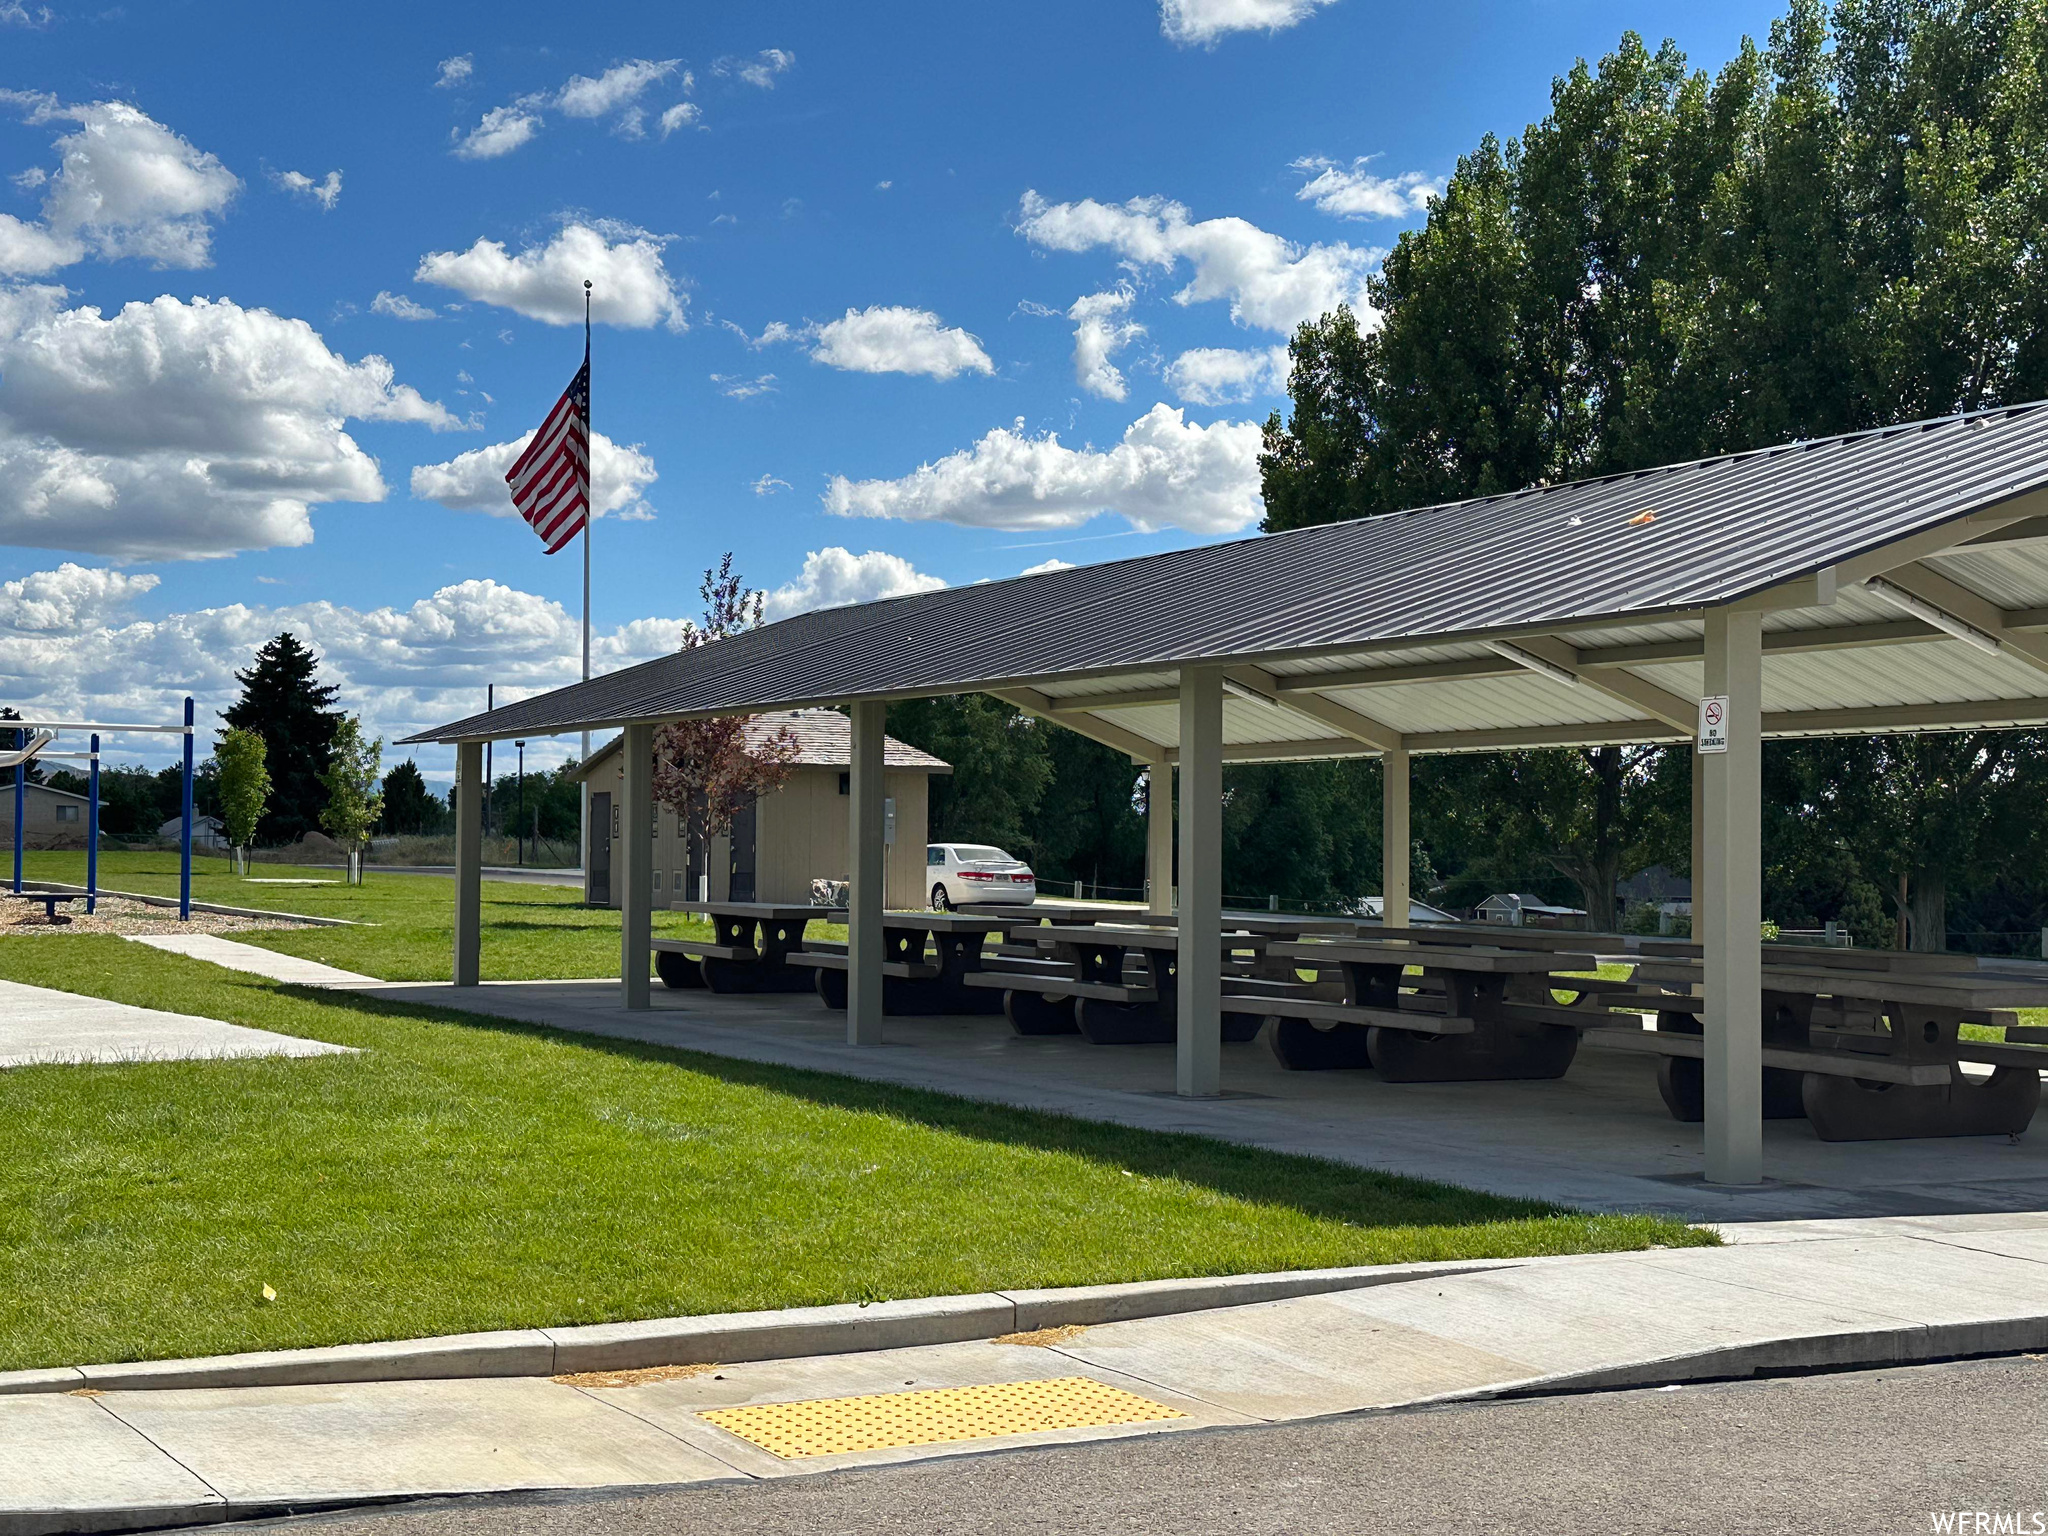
[(92, 829), (185, 850), (20, 807)]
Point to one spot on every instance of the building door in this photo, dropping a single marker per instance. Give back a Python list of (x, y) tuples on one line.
[(699, 865), (597, 881), (742, 888)]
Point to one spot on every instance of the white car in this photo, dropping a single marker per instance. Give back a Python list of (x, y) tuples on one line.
[(965, 874)]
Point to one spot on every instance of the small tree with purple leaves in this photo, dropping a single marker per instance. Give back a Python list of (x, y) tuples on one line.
[(705, 770)]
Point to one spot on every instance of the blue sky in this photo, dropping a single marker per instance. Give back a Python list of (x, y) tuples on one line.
[(834, 244)]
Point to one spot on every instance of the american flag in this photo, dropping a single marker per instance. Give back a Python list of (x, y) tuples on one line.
[(551, 481)]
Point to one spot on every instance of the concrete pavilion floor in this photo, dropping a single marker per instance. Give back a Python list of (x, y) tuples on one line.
[(1599, 1137)]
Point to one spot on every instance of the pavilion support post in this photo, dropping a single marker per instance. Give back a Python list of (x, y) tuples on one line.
[(636, 868), (1159, 839), (868, 888), (1733, 905), (1699, 846), (469, 862), (1198, 1060), (1395, 840)]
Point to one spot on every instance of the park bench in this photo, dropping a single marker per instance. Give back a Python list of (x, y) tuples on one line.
[(49, 901), (750, 950)]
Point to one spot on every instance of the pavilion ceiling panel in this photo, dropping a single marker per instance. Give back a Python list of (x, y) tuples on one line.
[(2009, 575), (1124, 682), (1945, 673), (1524, 699)]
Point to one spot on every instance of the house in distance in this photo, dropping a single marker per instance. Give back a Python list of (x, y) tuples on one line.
[(782, 842)]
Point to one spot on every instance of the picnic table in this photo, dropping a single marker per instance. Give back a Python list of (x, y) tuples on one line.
[(927, 960), (1453, 1024), (1867, 1045), (749, 951), (1114, 985)]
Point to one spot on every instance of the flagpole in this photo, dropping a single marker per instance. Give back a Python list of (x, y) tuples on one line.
[(589, 516)]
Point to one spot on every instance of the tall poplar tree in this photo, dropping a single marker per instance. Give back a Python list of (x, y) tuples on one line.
[(1837, 231)]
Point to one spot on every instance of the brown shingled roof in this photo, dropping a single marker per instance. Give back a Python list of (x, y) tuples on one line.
[(825, 740)]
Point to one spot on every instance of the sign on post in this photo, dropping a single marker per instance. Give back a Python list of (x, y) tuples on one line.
[(1714, 723)]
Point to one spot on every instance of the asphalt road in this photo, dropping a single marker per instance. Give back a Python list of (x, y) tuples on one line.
[(1868, 1453)]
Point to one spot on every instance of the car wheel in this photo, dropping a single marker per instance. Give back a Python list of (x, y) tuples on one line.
[(940, 903)]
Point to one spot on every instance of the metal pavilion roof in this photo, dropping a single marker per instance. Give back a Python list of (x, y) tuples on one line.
[(1351, 637)]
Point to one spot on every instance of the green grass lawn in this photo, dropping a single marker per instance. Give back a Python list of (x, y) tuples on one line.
[(467, 1173), (530, 932)]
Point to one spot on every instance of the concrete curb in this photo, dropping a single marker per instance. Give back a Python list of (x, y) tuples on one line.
[(726, 1337), (1859, 1349), (198, 906)]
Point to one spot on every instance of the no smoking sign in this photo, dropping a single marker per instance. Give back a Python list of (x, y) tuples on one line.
[(1714, 723)]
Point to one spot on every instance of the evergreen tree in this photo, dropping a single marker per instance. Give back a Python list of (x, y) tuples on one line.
[(409, 808), (283, 703)]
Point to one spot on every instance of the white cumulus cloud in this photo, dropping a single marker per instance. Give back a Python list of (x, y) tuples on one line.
[(615, 93), (892, 338), (399, 307), (68, 599), (760, 70), (70, 650), (1100, 330), (30, 250), (1353, 192), (1204, 21), (180, 430), (326, 192), (1167, 472), (502, 130), (1223, 376), (455, 71), (768, 485), (475, 481), (632, 289), (618, 87), (125, 186), (835, 577), (683, 114), (1270, 283)]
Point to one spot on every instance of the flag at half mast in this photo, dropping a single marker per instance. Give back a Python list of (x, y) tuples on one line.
[(551, 480)]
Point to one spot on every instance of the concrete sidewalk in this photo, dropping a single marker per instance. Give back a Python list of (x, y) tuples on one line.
[(252, 958), (1786, 1296), (40, 1026)]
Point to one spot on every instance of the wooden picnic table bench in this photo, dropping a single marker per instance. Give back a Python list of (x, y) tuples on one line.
[(927, 961), (749, 951), (1450, 1025), (1115, 985), (1862, 1052)]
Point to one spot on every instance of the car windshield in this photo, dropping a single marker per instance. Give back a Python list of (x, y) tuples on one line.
[(974, 855)]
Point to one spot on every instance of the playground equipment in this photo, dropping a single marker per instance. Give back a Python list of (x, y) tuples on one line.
[(33, 739)]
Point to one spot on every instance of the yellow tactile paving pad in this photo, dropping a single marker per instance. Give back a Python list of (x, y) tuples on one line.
[(827, 1426)]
